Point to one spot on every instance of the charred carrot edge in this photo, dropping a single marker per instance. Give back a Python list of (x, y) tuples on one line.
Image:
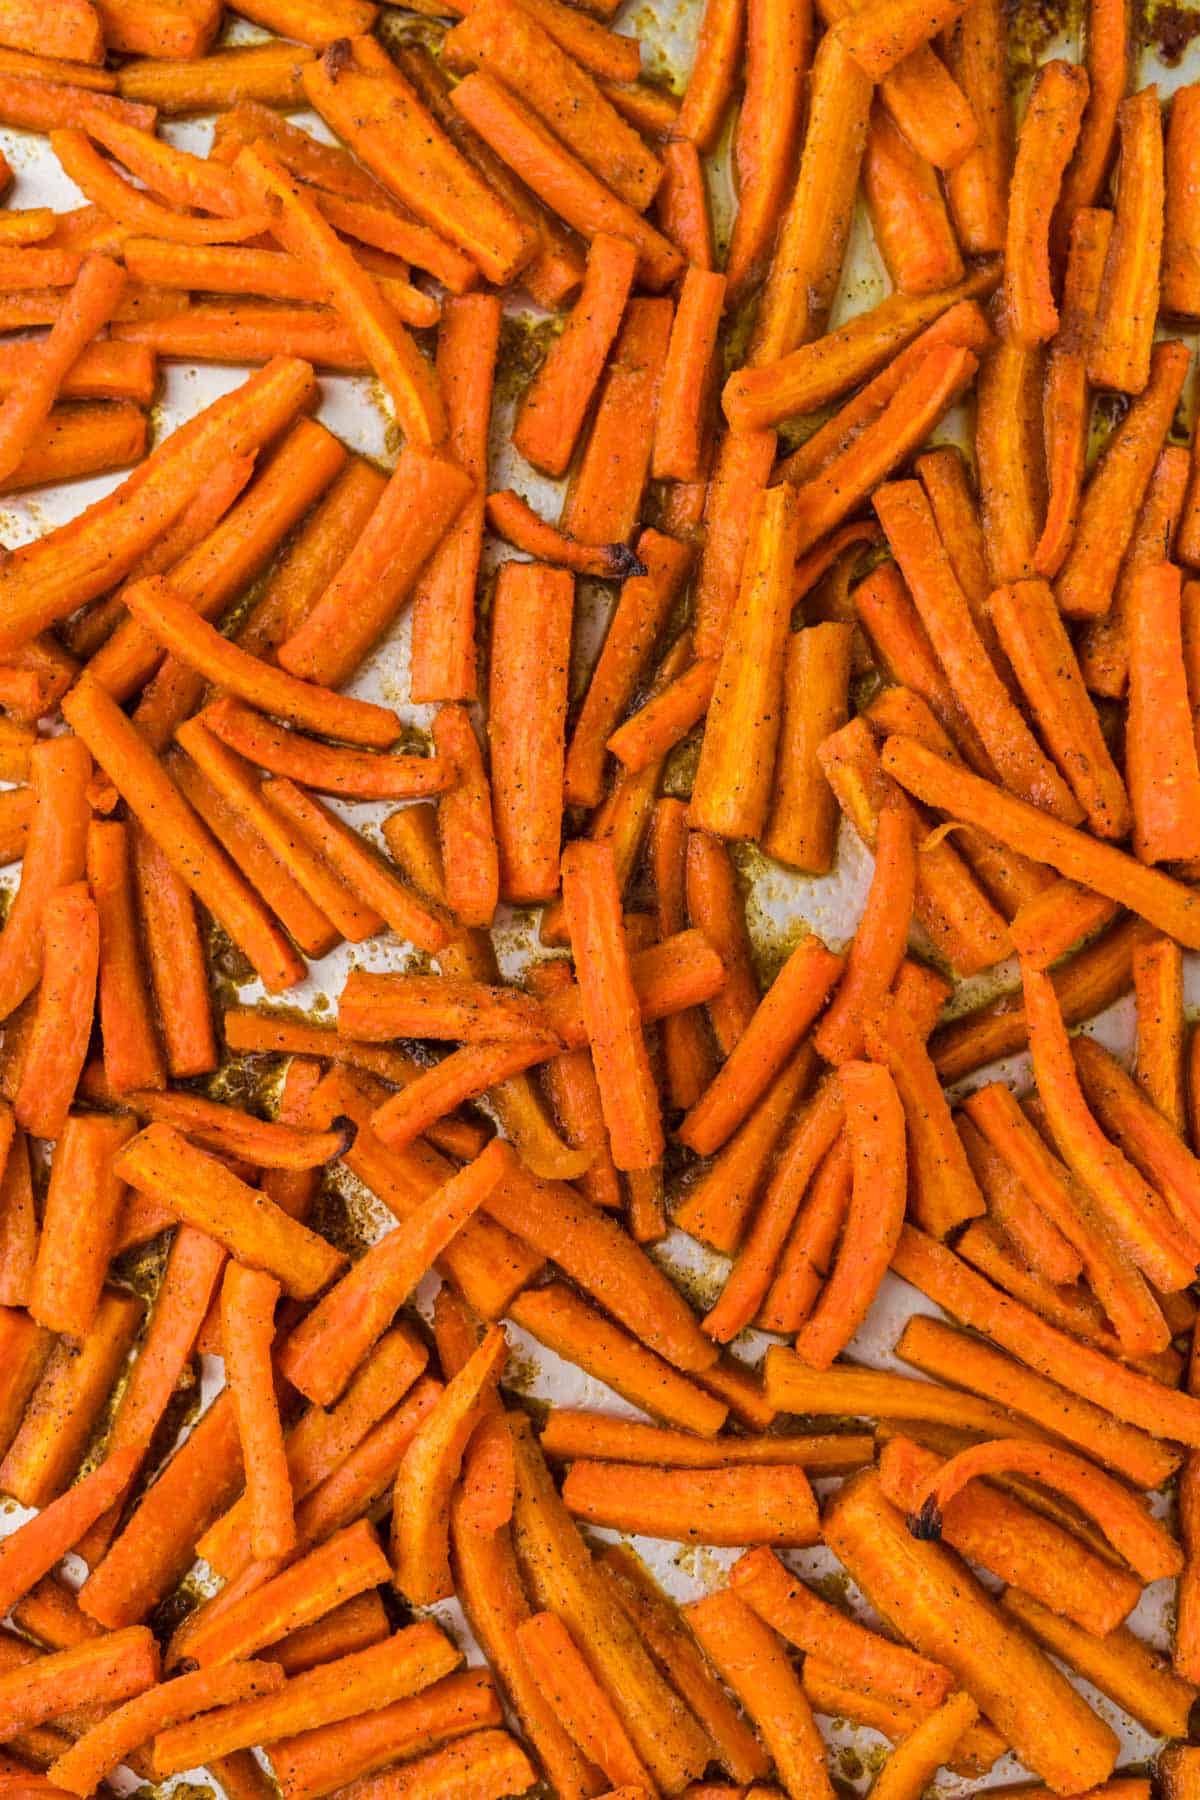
[(515, 521), (1066, 394), (55, 1050), (576, 1332), (907, 210), (1116, 489), (1044, 145), (749, 1658), (81, 1215)]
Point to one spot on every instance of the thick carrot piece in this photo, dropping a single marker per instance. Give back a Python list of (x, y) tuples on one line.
[(248, 1300), (1065, 406), (944, 1191), (105, 1669), (1044, 145), (73, 33), (1163, 902), (1161, 760), (203, 1192), (404, 1663), (1120, 1665), (72, 1387), (531, 635), (802, 824), (611, 1012), (80, 1220), (1035, 641), (132, 1057), (60, 770), (443, 632), (150, 28), (20, 1229), (555, 403), (579, 1334), (578, 1698), (1123, 331), (55, 1050), (185, 842), (411, 385), (907, 211), (370, 105), (573, 1434), (751, 1660), (727, 1506), (26, 408), (605, 491), (1138, 1216), (879, 37), (420, 1542), (737, 756), (977, 186), (815, 1627), (491, 1763), (558, 178), (688, 378), (1130, 1396), (1180, 269), (778, 47), (918, 1757), (811, 245), (921, 1586), (322, 1352)]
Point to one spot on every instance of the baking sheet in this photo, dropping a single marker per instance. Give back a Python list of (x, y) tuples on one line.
[(780, 903)]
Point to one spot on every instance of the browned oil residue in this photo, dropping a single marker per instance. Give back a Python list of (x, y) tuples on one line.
[(1167, 29), (1032, 27)]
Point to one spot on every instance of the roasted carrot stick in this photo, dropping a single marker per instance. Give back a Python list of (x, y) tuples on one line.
[(132, 1057), (59, 770), (879, 943), (1103, 643), (908, 214), (1065, 406), (713, 74), (715, 1506), (56, 1048), (27, 406), (1120, 1665), (883, 36), (801, 826), (19, 1232), (69, 1387), (248, 1300), (750, 1659), (977, 186), (144, 28), (605, 490), (739, 476), (526, 723), (1106, 36), (571, 1434), (81, 1216), (1158, 996), (105, 1669), (1140, 1130), (778, 46), (1044, 145), (688, 378), (811, 246), (1161, 762), (1122, 334), (1180, 293), (716, 1206), (556, 1663), (681, 205), (1109, 871)]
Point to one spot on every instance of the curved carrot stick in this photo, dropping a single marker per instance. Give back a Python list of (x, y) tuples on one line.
[(1123, 331), (1044, 145), (132, 207)]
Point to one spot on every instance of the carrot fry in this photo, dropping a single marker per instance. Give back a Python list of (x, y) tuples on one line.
[(270, 273), (982, 1651), (246, 333), (59, 772), (711, 1506), (716, 1207), (1109, 508), (32, 1550), (931, 110), (713, 74), (248, 1300), (801, 827), (915, 1761), (1140, 1130), (879, 37), (1122, 333), (879, 943), (688, 378), (1044, 145), (1180, 293), (74, 32), (131, 207), (403, 1664), (1038, 648), (346, 774), (27, 406), (681, 205), (1065, 405), (1009, 457), (56, 1048), (148, 28), (105, 1669), (1015, 1212), (514, 520), (605, 491), (777, 50), (570, 1435), (1109, 871), (798, 293), (1161, 761), (1159, 1065), (908, 214), (132, 1057), (20, 1232), (1124, 1393), (1120, 1665), (80, 1221), (687, 1051), (831, 1694), (321, 1353), (269, 73), (557, 1665), (1103, 643), (349, 1563), (751, 1661), (1106, 35), (556, 176), (492, 1763)]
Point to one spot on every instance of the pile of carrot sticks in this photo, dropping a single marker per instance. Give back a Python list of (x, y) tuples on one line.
[(925, 568)]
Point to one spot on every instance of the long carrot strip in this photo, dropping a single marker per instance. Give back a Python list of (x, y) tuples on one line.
[(1044, 145), (80, 1220), (879, 943), (1161, 760), (1065, 406), (716, 1207), (105, 1669), (604, 494), (56, 1047), (248, 1300), (1120, 1665), (531, 628), (1140, 1130), (132, 1057), (1119, 353), (60, 770), (1103, 643), (714, 1506), (1106, 34)]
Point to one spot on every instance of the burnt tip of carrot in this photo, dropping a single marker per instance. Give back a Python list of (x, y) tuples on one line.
[(624, 563), (337, 56), (926, 1525), (348, 1129)]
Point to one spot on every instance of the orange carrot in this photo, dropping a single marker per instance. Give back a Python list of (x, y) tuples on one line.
[(715, 907), (1103, 643), (492, 1762), (1016, 1214), (604, 494), (19, 1233), (1163, 902), (1065, 406), (1106, 34), (26, 407), (132, 1058), (248, 1300), (587, 1712), (811, 247), (146, 28), (59, 770), (80, 1221), (62, 1022), (908, 214), (879, 943), (159, 1162), (1140, 1130), (778, 47), (247, 333), (1123, 331), (801, 827), (133, 208), (687, 1051), (750, 1659), (1161, 761), (1159, 1061), (347, 774), (1009, 457), (880, 37), (32, 1550), (100, 1670), (526, 720), (716, 1206), (715, 1506), (1120, 1665), (739, 477), (713, 74), (515, 521), (688, 377), (555, 404), (681, 204), (1179, 270), (1044, 145)]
